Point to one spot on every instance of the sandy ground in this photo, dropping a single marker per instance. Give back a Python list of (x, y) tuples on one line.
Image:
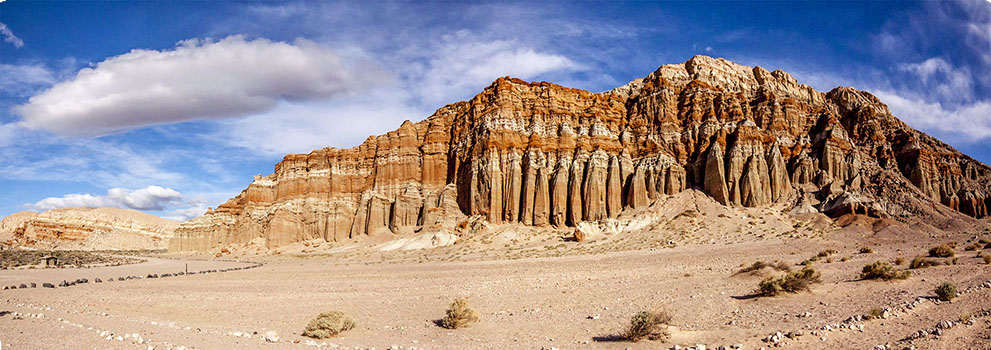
[(578, 301)]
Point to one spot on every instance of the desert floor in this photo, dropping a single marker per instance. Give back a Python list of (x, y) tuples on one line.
[(576, 301)]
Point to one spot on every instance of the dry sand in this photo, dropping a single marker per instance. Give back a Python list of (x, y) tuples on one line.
[(577, 301)]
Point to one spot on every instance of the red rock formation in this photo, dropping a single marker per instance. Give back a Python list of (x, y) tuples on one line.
[(542, 154)]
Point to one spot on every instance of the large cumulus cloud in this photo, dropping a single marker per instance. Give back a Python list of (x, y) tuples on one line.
[(195, 80)]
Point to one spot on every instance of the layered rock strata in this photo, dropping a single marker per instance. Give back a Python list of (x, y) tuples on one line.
[(87, 229), (544, 155)]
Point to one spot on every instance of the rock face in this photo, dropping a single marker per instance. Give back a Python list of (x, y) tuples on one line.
[(87, 229), (541, 154)]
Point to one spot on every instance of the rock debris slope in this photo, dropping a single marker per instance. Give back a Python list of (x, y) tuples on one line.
[(544, 155), (86, 229)]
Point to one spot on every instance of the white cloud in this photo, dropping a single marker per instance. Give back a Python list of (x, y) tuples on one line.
[(186, 213), (198, 79), (148, 198), (8, 36), (968, 123), (459, 66), (951, 83)]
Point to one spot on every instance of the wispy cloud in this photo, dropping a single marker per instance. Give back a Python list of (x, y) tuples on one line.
[(949, 83), (969, 123), (9, 37)]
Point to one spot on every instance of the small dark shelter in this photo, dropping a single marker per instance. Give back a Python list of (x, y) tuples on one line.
[(50, 260)]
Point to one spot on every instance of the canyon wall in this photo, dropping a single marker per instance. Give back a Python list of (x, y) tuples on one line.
[(544, 155)]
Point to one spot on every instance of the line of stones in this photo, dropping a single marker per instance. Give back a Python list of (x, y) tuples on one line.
[(66, 283)]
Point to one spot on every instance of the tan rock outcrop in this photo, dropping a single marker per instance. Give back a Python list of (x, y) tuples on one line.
[(87, 229)]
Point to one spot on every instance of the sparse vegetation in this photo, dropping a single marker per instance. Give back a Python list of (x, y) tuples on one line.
[(459, 315), (972, 247), (651, 325), (866, 250), (899, 261), (793, 282), (328, 324), (875, 313), (882, 270), (941, 251), (946, 291), (844, 259), (826, 253), (987, 259), (922, 262), (759, 265)]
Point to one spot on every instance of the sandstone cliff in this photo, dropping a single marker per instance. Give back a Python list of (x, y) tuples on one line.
[(544, 155), (87, 229)]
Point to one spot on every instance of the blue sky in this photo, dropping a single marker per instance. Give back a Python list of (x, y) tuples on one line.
[(171, 107)]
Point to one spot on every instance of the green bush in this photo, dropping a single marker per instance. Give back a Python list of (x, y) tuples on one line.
[(328, 324), (875, 313), (460, 315), (793, 282), (882, 270), (941, 251), (648, 324), (946, 291)]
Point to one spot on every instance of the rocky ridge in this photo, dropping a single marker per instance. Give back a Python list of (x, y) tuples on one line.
[(87, 229), (539, 154)]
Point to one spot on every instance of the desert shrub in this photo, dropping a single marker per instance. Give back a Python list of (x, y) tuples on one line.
[(648, 324), (793, 282), (946, 291), (899, 260), (845, 258), (459, 315), (987, 259), (972, 247), (921, 262), (826, 253), (882, 270), (328, 324), (759, 265), (875, 313), (941, 251), (866, 250)]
